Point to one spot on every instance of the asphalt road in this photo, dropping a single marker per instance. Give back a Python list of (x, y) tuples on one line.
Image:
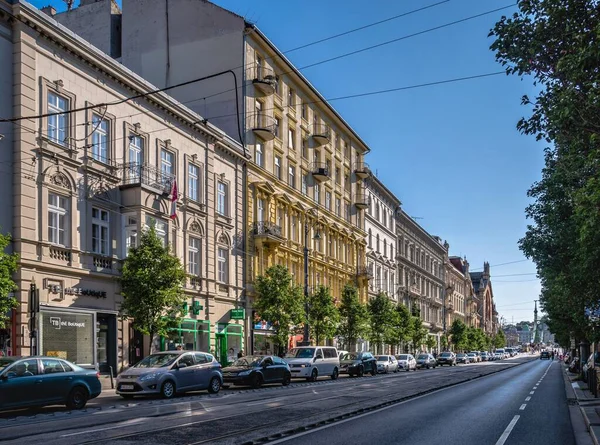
[(523, 405), (242, 416)]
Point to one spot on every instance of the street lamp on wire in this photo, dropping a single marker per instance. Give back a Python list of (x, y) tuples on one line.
[(307, 227)]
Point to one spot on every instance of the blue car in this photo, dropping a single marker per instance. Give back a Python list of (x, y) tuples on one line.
[(40, 381)]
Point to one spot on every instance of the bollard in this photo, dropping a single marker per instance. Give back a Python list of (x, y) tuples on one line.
[(112, 383)]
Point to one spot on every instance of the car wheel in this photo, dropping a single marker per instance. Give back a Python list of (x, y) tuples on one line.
[(335, 374), (428, 366), (256, 381), (408, 368), (287, 379), (214, 386), (77, 398), (361, 371), (167, 390), (126, 396), (374, 370), (314, 375)]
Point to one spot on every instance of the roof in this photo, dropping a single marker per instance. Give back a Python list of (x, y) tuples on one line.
[(476, 278), (457, 263)]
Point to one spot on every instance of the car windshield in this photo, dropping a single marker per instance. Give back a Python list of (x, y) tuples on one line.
[(402, 357), (248, 361), (301, 353), (460, 355), (422, 357), (446, 354), (382, 358), (470, 354), (350, 356), (157, 361), (4, 363)]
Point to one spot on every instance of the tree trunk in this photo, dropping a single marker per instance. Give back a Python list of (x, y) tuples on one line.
[(150, 342)]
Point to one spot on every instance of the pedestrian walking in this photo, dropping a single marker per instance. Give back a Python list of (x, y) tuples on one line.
[(552, 355), (240, 354)]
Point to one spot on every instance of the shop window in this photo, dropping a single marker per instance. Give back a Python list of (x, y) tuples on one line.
[(68, 335)]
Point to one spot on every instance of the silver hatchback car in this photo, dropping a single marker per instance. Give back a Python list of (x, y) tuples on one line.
[(169, 373)]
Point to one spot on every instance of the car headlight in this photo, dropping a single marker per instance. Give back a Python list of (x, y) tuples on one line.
[(245, 372), (305, 365), (150, 376)]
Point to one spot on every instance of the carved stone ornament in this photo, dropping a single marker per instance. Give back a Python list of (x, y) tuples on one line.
[(223, 239), (60, 179), (196, 227)]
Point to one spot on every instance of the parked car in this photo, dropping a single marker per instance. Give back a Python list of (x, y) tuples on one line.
[(254, 370), (406, 362), (310, 362), (386, 363), (446, 358), (341, 354), (472, 357), (477, 356), (41, 381), (461, 357), (498, 356), (169, 373), (426, 361), (358, 363), (545, 355), (485, 357)]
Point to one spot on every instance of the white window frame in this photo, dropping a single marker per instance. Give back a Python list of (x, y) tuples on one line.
[(100, 231), (167, 162), (222, 192), (60, 215), (291, 138), (194, 251), (327, 199), (100, 138), (194, 182), (258, 153), (131, 233), (223, 265), (58, 130), (278, 167), (292, 176)]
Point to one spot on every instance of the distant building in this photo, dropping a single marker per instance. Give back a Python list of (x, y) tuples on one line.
[(525, 334)]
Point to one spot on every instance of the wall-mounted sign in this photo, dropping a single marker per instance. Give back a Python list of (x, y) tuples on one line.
[(58, 323), (237, 314), (85, 292)]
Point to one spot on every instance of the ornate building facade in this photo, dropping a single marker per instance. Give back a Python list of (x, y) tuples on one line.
[(460, 303), (88, 178), (484, 297)]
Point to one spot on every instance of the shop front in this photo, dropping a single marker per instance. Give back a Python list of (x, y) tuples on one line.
[(229, 342), (192, 335), (262, 339)]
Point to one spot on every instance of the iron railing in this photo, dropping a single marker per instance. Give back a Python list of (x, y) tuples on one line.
[(144, 174), (266, 228)]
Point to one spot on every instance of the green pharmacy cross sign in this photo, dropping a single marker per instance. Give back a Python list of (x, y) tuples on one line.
[(237, 314)]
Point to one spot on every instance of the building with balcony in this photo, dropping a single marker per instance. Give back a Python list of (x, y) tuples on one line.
[(86, 178), (306, 160), (484, 294), (421, 260), (459, 291), (380, 225)]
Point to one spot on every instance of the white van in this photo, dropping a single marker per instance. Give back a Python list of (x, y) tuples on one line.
[(312, 362)]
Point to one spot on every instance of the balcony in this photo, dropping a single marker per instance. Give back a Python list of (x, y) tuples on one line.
[(362, 201), (263, 79), (364, 272), (263, 126), (361, 170), (136, 174), (320, 171), (450, 307), (321, 134), (267, 234)]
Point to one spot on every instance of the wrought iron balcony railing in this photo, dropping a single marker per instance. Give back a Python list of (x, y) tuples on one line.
[(143, 174)]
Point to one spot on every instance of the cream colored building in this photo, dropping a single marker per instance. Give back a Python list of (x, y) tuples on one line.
[(86, 181), (421, 272), (307, 165), (459, 304)]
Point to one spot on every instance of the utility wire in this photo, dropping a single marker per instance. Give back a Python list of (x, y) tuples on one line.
[(501, 264)]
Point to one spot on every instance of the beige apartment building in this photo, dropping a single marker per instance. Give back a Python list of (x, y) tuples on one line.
[(307, 164), (461, 304), (421, 272), (80, 184)]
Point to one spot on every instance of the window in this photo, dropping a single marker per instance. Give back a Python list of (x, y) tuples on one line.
[(304, 110), (57, 218), (258, 153), (100, 232), (316, 156), (377, 211), (338, 206), (194, 256), (136, 155), (291, 96), (347, 204), (193, 182), (385, 248), (347, 181), (259, 66), (305, 148), (278, 167), (131, 232), (167, 163), (338, 176), (57, 123), (160, 227), (222, 198), (292, 176), (291, 138), (294, 228), (223, 260), (328, 200), (305, 184), (370, 239), (377, 245), (260, 210), (346, 149), (392, 250), (317, 192), (99, 138), (277, 127)]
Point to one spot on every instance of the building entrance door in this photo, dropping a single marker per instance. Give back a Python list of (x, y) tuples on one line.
[(106, 342)]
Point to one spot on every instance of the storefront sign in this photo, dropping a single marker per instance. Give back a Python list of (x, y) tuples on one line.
[(85, 292), (237, 314), (58, 323)]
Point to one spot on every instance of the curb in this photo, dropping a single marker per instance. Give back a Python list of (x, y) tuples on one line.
[(304, 428), (583, 428)]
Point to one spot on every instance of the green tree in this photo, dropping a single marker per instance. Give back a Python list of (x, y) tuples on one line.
[(8, 266), (279, 301), (418, 333), (353, 317), (400, 326), (381, 320), (458, 333), (323, 315), (431, 342), (499, 340), (556, 42), (151, 284)]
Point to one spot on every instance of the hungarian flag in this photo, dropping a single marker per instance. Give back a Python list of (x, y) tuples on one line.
[(174, 200)]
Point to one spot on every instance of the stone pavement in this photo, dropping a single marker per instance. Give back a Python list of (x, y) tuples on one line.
[(584, 409)]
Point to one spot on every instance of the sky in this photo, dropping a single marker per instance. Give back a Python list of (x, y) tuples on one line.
[(450, 152)]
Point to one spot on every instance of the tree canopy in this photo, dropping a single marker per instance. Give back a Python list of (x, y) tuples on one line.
[(381, 320), (556, 43), (353, 317), (152, 286), (8, 266), (323, 315)]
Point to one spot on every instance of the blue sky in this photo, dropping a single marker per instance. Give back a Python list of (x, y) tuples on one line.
[(450, 152)]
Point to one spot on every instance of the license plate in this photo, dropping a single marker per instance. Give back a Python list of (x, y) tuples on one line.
[(126, 386)]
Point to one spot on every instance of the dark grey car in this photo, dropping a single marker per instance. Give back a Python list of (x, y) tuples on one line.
[(169, 373), (426, 361)]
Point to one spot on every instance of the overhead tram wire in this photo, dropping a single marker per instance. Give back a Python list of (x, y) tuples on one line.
[(189, 82)]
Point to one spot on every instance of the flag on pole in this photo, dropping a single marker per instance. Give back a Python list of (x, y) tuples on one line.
[(174, 200)]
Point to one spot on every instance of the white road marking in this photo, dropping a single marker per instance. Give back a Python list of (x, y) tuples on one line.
[(528, 398), (523, 406), (531, 392), (535, 387), (507, 431), (129, 422)]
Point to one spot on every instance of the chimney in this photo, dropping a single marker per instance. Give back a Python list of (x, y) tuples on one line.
[(49, 10)]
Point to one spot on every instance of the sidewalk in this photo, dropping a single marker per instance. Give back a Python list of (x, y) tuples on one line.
[(584, 409)]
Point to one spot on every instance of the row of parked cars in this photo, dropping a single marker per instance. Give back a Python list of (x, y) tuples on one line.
[(37, 381)]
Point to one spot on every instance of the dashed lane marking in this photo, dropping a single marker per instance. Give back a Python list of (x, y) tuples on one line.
[(507, 431)]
